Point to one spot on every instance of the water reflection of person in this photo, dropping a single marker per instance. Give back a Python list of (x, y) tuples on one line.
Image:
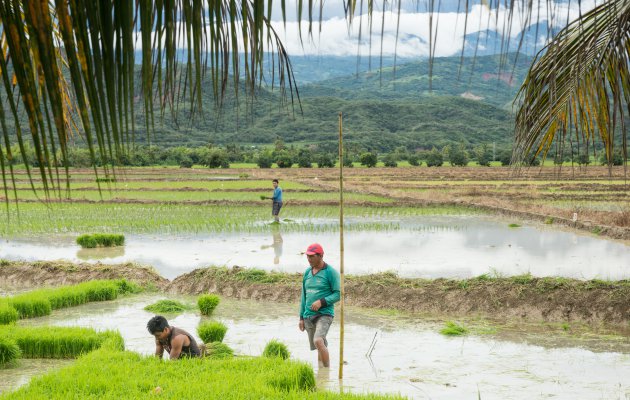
[(276, 244)]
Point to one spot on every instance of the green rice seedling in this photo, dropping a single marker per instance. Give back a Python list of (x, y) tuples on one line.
[(9, 351), (211, 331), (207, 303), (217, 351), (8, 314), (166, 307), (275, 348), (108, 374), (514, 226), (31, 305), (60, 342), (88, 241), (127, 287), (453, 329)]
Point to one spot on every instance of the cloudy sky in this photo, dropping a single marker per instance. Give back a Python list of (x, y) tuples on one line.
[(336, 38)]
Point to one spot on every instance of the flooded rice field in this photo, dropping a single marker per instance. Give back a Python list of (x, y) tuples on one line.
[(410, 356), (424, 247)]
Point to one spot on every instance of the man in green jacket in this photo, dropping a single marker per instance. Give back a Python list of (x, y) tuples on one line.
[(320, 291)]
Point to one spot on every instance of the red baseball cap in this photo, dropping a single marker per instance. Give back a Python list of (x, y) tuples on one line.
[(315, 248)]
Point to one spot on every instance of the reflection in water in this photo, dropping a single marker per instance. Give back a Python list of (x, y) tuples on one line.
[(410, 357), (99, 253), (276, 244), (424, 247)]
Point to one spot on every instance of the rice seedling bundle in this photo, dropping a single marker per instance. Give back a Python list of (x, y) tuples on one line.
[(8, 313), (100, 240), (218, 351), (275, 348), (211, 331), (166, 307), (59, 342), (31, 305), (207, 303), (9, 351), (453, 329)]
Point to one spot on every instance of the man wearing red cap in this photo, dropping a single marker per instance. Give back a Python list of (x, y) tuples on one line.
[(320, 291)]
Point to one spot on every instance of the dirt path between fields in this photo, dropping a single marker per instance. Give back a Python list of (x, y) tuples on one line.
[(519, 298)]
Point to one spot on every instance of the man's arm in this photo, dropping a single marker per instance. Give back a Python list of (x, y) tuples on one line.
[(335, 288), (302, 306), (177, 343), (159, 349)]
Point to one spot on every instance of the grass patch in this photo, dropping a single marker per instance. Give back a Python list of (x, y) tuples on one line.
[(514, 226), (275, 348), (9, 351), (90, 241), (549, 220), (524, 279), (207, 303), (60, 342), (453, 329), (211, 331), (166, 307)]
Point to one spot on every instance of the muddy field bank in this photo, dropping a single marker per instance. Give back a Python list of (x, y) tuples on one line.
[(518, 298)]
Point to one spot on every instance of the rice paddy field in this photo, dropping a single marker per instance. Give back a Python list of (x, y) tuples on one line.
[(414, 222)]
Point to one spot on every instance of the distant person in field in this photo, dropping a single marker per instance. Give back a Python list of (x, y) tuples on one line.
[(177, 342), (320, 291), (276, 200)]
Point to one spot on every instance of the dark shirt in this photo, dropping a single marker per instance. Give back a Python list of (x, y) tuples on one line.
[(191, 350)]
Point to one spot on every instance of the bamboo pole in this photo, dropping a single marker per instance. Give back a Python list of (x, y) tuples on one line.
[(341, 249)]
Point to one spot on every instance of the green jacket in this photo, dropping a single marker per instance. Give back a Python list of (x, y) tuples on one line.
[(322, 286)]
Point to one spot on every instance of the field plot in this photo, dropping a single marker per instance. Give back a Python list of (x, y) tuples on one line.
[(457, 245)]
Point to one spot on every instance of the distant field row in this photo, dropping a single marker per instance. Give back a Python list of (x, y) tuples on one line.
[(38, 218)]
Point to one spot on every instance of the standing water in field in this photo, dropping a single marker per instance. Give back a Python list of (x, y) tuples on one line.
[(410, 356), (426, 247)]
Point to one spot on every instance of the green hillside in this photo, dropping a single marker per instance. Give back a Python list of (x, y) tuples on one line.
[(378, 114)]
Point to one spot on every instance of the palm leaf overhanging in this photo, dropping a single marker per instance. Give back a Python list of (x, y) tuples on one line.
[(94, 41), (579, 88), (579, 84)]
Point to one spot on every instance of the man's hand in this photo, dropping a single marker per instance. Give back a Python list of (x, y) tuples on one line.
[(301, 325), (316, 305)]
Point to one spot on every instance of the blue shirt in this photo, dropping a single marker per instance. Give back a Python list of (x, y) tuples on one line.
[(277, 195)]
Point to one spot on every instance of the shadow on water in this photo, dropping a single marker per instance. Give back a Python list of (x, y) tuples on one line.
[(409, 357)]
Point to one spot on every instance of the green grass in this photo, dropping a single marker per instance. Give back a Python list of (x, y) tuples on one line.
[(59, 342), (514, 226), (207, 303), (211, 331), (41, 302), (167, 307), (9, 351), (107, 374), (453, 329), (90, 241), (8, 313), (275, 348)]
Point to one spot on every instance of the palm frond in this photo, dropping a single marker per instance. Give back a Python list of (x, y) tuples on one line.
[(580, 86)]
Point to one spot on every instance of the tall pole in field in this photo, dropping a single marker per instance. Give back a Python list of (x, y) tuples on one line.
[(341, 250)]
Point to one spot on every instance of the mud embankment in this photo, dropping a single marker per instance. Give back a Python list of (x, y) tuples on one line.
[(517, 298)]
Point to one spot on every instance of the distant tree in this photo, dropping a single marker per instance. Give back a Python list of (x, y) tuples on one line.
[(348, 161), (414, 160), (505, 157), (216, 158), (185, 164), (279, 144), (368, 159), (390, 160), (304, 158), (264, 160), (584, 159), (434, 158), (457, 155), (483, 155), (283, 159), (324, 160), (617, 158)]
